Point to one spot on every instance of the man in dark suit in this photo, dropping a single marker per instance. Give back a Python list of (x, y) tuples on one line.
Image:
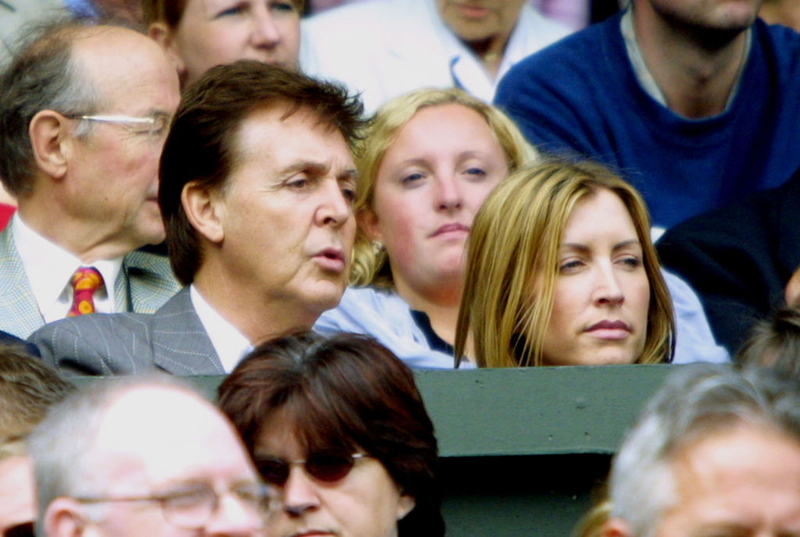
[(256, 188), (84, 112)]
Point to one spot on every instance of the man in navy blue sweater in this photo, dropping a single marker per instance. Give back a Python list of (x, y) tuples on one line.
[(696, 102)]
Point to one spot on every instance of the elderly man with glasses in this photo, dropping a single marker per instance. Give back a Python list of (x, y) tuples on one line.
[(84, 112), (144, 457)]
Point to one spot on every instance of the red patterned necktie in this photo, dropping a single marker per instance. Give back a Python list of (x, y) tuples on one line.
[(85, 282)]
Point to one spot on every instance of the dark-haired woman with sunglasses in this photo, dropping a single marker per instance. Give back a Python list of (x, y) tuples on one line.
[(339, 426)]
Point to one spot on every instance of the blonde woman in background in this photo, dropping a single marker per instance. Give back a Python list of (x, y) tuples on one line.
[(561, 271), (428, 161)]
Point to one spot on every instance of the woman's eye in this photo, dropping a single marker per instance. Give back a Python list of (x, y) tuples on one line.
[(570, 265), (287, 7), (631, 262), (235, 10), (411, 178), (475, 171)]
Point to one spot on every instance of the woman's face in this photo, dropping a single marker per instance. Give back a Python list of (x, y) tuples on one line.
[(602, 294), (431, 182), (364, 503), (216, 32)]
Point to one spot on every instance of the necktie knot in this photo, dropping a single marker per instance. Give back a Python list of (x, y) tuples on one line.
[(85, 282)]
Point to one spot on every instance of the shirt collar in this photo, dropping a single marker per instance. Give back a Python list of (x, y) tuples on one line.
[(643, 74), (230, 344), (49, 269)]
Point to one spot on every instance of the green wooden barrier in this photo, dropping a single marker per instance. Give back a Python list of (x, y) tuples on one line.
[(523, 449)]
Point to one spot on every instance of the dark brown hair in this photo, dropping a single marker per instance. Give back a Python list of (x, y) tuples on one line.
[(346, 392), (201, 145)]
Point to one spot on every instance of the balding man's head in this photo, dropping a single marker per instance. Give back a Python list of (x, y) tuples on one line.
[(84, 111), (143, 458)]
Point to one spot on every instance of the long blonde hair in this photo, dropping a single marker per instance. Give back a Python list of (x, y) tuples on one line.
[(516, 234), (370, 266)]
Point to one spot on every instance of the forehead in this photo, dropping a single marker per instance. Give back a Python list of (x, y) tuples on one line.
[(746, 477), (279, 134), (599, 205), (127, 69), (154, 437)]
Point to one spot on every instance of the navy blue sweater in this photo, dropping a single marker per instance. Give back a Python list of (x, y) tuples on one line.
[(581, 95)]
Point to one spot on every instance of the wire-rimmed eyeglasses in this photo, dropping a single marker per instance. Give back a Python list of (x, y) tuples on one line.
[(192, 506), (155, 125)]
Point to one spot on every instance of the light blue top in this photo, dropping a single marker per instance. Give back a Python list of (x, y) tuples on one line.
[(386, 317)]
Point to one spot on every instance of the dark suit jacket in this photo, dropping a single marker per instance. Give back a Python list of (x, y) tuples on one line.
[(172, 339), (739, 258)]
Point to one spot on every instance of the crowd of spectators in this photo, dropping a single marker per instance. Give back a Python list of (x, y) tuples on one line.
[(312, 199)]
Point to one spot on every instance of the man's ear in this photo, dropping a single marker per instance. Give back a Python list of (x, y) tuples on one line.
[(63, 518), (405, 505), (52, 142), (368, 221), (616, 527), (163, 35), (205, 211)]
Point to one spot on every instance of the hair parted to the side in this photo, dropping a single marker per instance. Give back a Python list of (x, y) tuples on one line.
[(42, 75), (516, 236), (201, 147), (346, 392), (695, 401), (370, 265)]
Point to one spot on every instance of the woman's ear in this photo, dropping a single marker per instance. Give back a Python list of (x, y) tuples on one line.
[(204, 209), (368, 221), (405, 505), (164, 36)]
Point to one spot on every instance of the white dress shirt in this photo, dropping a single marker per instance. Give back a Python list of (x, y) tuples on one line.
[(230, 344), (50, 268)]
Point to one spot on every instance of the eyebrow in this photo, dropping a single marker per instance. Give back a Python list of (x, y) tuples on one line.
[(316, 169), (584, 248)]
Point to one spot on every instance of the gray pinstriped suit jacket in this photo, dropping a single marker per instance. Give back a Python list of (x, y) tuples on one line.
[(172, 339), (148, 277)]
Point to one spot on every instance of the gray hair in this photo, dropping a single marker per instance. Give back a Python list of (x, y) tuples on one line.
[(43, 75), (61, 446), (694, 401)]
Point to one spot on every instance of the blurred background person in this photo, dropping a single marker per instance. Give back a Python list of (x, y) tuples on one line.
[(428, 161), (339, 427), (27, 389), (774, 342), (199, 34), (714, 450), (384, 48), (561, 271)]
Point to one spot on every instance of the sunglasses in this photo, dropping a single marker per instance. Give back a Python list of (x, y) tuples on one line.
[(326, 467)]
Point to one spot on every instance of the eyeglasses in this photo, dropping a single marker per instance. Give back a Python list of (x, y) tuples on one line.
[(155, 125), (191, 507), (326, 466)]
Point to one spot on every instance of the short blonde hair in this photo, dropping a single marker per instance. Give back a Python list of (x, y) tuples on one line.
[(516, 234), (370, 265)]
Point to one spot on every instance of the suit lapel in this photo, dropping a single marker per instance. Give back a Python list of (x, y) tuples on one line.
[(145, 282), (18, 308), (180, 343)]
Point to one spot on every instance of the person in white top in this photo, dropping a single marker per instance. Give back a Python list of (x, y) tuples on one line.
[(384, 48)]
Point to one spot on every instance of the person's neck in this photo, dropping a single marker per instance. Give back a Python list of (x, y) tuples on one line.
[(489, 52), (257, 317), (439, 303), (695, 70), (88, 241)]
